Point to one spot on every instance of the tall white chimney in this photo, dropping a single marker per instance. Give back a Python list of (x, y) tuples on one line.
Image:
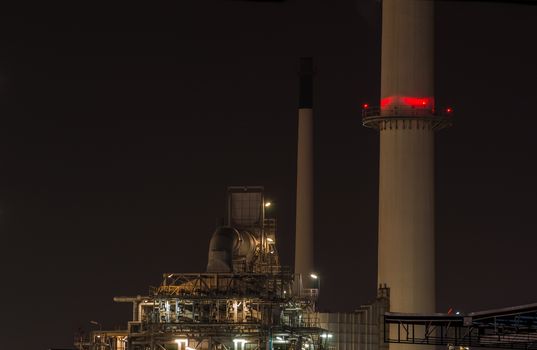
[(407, 120), (304, 264)]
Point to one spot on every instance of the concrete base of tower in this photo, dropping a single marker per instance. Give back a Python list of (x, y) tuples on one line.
[(406, 260)]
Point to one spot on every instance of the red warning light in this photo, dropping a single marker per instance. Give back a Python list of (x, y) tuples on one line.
[(407, 101), (365, 106), (386, 101), (449, 110), (416, 101)]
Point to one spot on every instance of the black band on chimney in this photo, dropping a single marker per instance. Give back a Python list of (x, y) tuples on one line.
[(306, 83)]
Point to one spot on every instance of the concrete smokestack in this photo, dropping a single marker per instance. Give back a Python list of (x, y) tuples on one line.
[(407, 120), (304, 264), (406, 258)]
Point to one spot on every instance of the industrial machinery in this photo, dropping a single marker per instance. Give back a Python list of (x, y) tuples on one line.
[(245, 301)]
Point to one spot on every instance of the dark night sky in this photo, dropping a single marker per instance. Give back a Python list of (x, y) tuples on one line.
[(122, 126)]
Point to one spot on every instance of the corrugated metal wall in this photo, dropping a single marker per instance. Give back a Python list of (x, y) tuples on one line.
[(359, 330)]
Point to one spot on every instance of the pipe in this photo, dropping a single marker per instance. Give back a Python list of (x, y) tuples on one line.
[(135, 304), (221, 250), (228, 244)]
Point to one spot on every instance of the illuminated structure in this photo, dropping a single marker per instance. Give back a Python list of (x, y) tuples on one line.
[(244, 301), (407, 119)]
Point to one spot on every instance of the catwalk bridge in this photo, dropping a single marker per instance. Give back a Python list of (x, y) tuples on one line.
[(508, 328)]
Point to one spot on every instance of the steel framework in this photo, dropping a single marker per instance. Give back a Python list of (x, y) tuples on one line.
[(509, 328), (219, 311)]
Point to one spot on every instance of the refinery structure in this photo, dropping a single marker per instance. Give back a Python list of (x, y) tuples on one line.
[(246, 300)]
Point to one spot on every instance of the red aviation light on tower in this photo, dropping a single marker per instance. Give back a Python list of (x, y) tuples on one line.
[(407, 101), (417, 102), (449, 110), (365, 106), (387, 101)]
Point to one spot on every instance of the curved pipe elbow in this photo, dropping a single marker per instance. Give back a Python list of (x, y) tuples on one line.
[(221, 250)]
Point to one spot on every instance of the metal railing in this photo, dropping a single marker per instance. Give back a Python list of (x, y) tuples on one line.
[(374, 117), (406, 111)]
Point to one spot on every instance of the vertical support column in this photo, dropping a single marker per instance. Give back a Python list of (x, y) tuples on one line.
[(304, 262), (406, 217)]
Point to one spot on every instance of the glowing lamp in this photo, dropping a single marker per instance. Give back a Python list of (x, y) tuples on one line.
[(449, 110), (239, 343), (365, 106)]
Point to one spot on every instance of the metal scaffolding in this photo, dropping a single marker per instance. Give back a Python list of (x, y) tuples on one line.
[(246, 300), (245, 311)]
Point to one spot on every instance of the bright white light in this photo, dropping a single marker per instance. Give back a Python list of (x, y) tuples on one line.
[(170, 275), (323, 335), (270, 240), (279, 338), (182, 341), (329, 335), (314, 276), (457, 313), (268, 204), (239, 343)]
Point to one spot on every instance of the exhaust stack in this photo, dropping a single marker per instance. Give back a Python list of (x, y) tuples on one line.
[(407, 120), (304, 264)]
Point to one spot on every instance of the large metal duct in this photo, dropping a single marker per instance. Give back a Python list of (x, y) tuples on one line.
[(228, 245)]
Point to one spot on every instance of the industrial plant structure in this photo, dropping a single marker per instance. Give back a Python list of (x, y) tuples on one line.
[(244, 301)]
